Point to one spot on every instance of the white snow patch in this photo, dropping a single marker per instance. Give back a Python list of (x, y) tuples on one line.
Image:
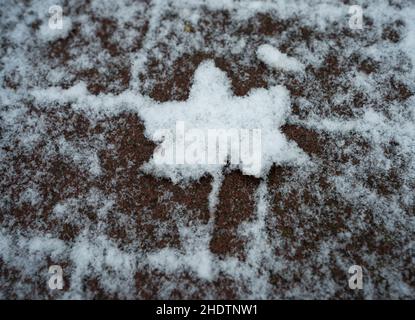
[(196, 256), (46, 33), (278, 60), (211, 105)]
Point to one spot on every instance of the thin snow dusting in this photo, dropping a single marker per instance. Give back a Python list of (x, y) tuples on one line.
[(94, 116)]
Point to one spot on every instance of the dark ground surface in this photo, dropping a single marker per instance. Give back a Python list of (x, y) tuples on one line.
[(301, 215)]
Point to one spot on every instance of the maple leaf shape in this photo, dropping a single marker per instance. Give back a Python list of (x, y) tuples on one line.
[(212, 105)]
